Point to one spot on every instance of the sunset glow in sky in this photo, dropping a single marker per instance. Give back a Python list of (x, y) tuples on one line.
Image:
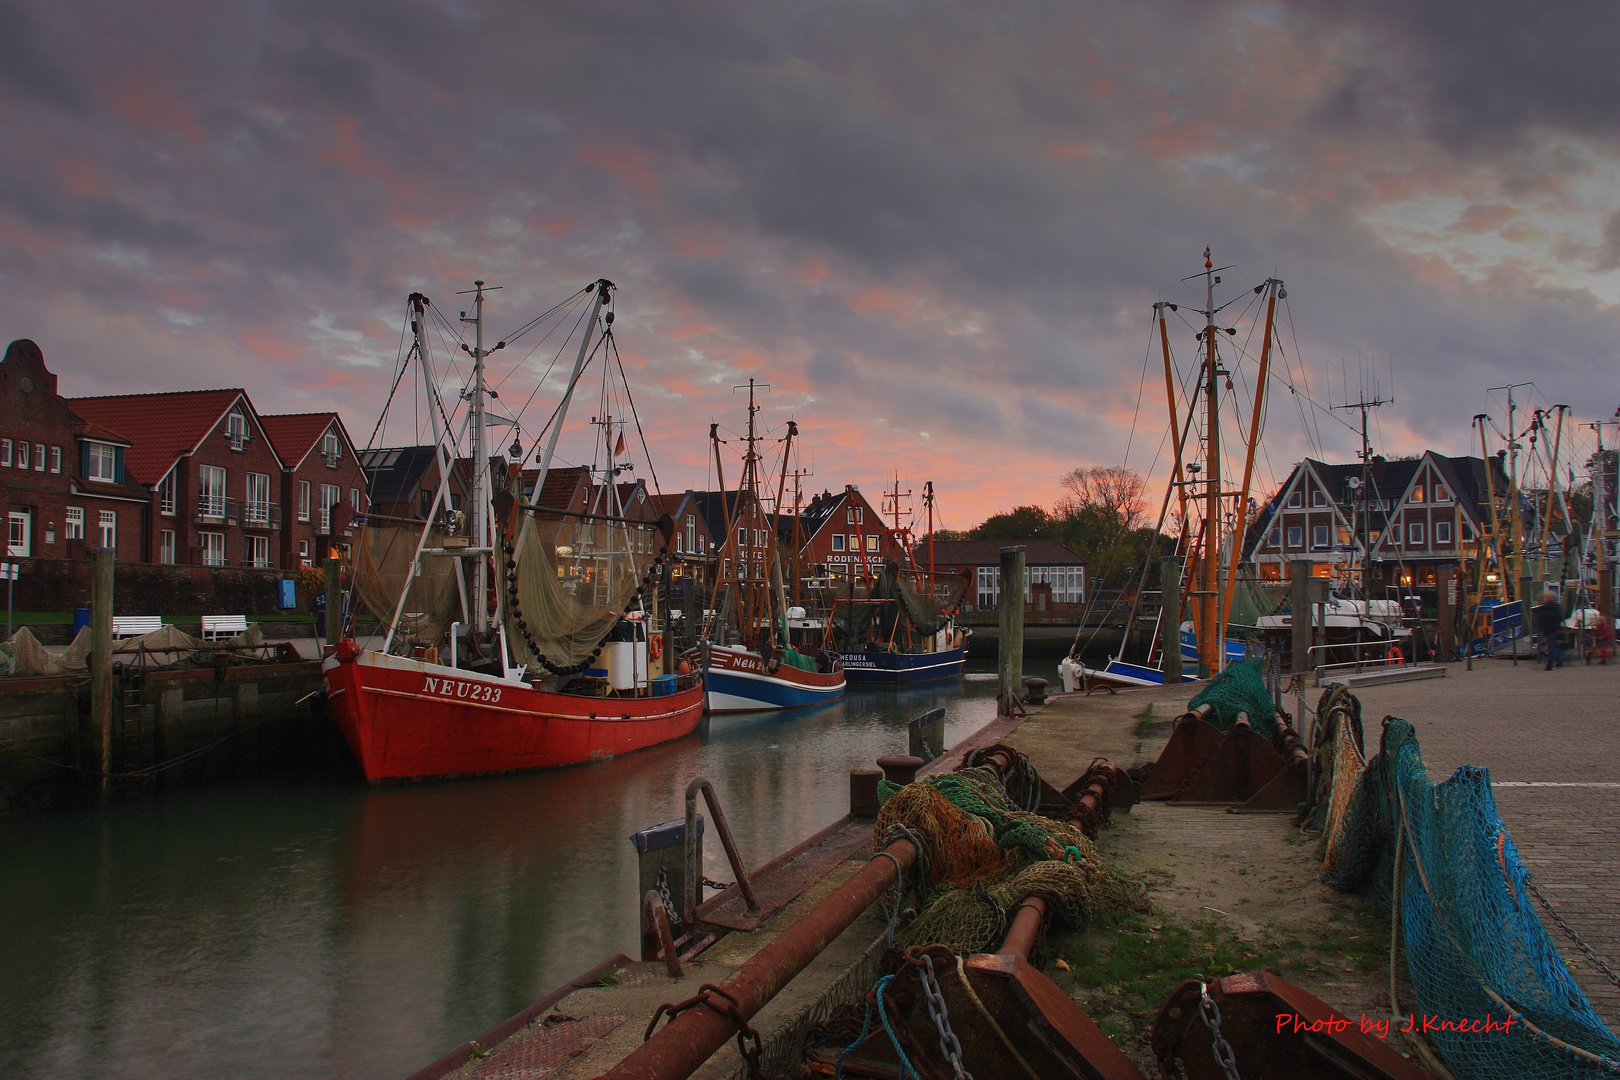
[(936, 229)]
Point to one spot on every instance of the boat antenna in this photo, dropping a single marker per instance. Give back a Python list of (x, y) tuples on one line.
[(1364, 487)]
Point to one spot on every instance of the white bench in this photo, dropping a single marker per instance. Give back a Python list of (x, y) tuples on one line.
[(215, 627), (135, 625)]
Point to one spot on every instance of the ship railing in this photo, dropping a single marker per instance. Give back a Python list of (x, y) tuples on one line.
[(1379, 657)]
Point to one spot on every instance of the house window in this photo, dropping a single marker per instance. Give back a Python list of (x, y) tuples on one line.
[(1467, 529), (849, 516), (5, 452), (39, 457), (19, 536), (22, 455), (989, 591), (303, 501), (259, 552), (303, 549), (74, 528), (1442, 533), (213, 548), (742, 537), (1441, 495), (331, 495), (1319, 537), (1275, 537), (1296, 499), (1414, 534), (854, 542), (166, 547), (236, 431), (725, 568), (257, 510), (1318, 497), (109, 528), (1296, 536), (330, 450), (211, 491), (871, 543), (424, 501), (56, 459), (166, 495), (101, 462), (1417, 494), (691, 532), (838, 541), (354, 499), (1344, 536)]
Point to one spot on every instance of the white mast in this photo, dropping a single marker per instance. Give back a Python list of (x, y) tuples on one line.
[(480, 457)]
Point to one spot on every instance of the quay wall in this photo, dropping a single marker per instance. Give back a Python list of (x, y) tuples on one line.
[(152, 588), (168, 729)]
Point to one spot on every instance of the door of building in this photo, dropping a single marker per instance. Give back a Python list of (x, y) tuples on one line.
[(20, 535)]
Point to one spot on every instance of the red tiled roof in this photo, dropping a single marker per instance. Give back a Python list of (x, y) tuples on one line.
[(87, 430), (294, 434), (160, 427), (666, 504)]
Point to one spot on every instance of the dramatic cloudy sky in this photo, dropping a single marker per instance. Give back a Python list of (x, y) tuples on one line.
[(936, 229)]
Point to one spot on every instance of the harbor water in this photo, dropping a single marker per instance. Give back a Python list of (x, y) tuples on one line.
[(298, 928)]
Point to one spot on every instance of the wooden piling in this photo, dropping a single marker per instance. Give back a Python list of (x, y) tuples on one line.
[(1170, 618), (334, 601), (101, 681), (1299, 580), (1010, 647)]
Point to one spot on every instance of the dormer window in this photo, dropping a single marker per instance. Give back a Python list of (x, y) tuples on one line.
[(101, 462), (236, 430)]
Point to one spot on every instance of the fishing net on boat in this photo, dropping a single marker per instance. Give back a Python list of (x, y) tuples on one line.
[(1240, 688), (570, 583), (931, 606), (1475, 947), (385, 565), (980, 855)]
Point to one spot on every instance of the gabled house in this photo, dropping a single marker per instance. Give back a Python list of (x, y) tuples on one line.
[(843, 532), (695, 549), (322, 471), (403, 480), (213, 474), (65, 482), (1416, 516)]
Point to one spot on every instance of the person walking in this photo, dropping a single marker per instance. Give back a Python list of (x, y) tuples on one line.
[(1547, 618)]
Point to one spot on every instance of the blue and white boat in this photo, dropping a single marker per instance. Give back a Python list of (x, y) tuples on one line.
[(874, 666)]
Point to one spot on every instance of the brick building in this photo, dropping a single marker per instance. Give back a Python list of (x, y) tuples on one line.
[(843, 531), (1054, 576), (215, 478), (66, 483), (322, 472)]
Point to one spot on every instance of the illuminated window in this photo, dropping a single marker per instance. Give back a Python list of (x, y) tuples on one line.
[(871, 543), (1417, 494)]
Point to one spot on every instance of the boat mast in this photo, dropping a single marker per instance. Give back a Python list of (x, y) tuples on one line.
[(1170, 399), (1236, 550), (1515, 561), (1209, 650), (480, 457), (751, 485), (1552, 487), (776, 527), (928, 501)]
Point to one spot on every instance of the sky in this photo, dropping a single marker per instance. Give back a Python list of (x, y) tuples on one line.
[(936, 230)]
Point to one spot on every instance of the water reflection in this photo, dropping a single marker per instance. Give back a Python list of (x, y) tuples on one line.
[(319, 930)]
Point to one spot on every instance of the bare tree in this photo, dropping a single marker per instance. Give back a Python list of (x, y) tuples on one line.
[(1115, 490)]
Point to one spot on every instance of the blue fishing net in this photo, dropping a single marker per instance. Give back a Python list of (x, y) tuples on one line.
[(1476, 949)]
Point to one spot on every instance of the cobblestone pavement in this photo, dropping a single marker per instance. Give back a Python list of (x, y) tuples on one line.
[(1546, 728)]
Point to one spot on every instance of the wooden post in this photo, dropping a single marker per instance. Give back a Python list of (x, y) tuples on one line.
[(101, 688), (1300, 622), (1445, 592), (1170, 618), (334, 600), (1010, 654)]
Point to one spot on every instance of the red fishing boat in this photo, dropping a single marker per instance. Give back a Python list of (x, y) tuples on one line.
[(516, 634)]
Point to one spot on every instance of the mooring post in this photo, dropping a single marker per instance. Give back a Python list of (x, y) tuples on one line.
[(1010, 651), (1300, 621), (1170, 618), (1446, 595), (101, 688), (334, 600)]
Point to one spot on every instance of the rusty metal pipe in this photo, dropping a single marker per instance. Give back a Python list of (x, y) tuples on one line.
[(686, 1042), (1025, 928), (694, 872), (654, 915)]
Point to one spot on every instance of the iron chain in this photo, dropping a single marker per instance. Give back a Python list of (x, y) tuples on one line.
[(668, 901), (1222, 1050), (1573, 936), (948, 1044)]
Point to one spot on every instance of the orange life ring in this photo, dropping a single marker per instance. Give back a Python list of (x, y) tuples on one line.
[(655, 646), (1395, 656)]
